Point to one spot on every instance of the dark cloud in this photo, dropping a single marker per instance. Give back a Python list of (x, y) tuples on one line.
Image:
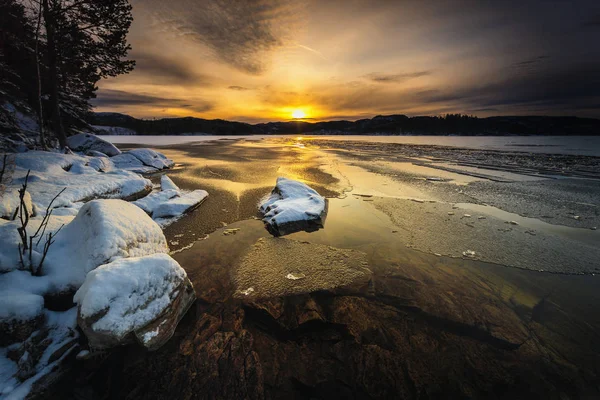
[(171, 71), (107, 98), (526, 64), (395, 78), (240, 32), (240, 88)]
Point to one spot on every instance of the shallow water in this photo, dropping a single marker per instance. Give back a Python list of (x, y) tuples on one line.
[(424, 325), (581, 145)]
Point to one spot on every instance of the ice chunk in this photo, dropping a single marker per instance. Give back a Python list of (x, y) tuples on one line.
[(292, 206), (468, 253), (86, 141)]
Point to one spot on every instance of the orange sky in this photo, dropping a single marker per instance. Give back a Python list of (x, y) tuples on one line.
[(261, 60)]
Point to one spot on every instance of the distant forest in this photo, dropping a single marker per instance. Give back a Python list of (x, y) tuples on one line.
[(450, 124)]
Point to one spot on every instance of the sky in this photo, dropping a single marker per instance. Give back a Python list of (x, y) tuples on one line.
[(269, 60)]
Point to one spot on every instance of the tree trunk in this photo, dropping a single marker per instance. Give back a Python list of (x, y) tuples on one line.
[(50, 22), (39, 79)]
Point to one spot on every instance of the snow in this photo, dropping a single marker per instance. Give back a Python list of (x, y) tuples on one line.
[(129, 162), (131, 292), (86, 141), (103, 231), (20, 306), (291, 201), (83, 177), (10, 202), (153, 200), (94, 153), (151, 158), (167, 184), (179, 205), (94, 233)]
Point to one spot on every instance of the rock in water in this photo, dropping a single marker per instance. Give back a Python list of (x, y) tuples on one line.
[(180, 205), (85, 142), (140, 298), (293, 206)]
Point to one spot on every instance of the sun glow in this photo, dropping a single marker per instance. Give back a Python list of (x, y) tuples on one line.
[(298, 114)]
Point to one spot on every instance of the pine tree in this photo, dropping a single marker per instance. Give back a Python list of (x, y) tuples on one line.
[(86, 41)]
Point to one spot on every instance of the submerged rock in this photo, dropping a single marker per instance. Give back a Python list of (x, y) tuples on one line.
[(85, 142), (140, 298), (280, 267), (293, 206)]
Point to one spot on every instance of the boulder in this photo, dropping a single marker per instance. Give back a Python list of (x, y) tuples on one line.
[(85, 142), (293, 206), (94, 153), (21, 314), (102, 231), (134, 299), (152, 158)]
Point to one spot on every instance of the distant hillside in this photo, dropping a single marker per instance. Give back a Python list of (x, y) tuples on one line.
[(452, 124)]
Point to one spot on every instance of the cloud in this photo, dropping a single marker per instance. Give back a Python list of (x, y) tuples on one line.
[(240, 88), (169, 71), (107, 98), (529, 63), (240, 32), (395, 78)]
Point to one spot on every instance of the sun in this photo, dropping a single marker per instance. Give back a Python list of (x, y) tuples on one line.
[(298, 114)]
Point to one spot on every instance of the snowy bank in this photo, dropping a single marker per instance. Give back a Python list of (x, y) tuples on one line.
[(293, 206), (89, 225)]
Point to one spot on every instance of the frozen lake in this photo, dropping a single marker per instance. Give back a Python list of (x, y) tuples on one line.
[(580, 145)]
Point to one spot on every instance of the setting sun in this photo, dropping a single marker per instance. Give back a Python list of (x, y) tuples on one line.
[(298, 114)]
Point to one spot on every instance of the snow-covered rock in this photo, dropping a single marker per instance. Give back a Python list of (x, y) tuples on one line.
[(129, 162), (292, 206), (180, 205), (10, 201), (84, 142), (154, 199), (94, 153), (167, 184), (83, 177), (102, 231), (21, 314), (152, 158), (141, 297)]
